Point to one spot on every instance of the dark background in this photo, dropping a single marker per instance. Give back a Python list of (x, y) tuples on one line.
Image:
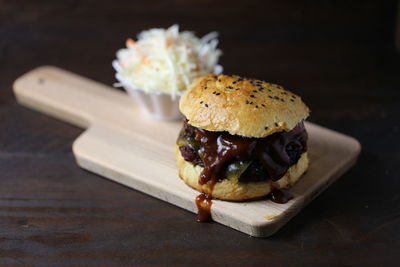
[(339, 55)]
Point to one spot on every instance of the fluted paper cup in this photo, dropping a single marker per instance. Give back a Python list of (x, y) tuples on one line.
[(156, 105)]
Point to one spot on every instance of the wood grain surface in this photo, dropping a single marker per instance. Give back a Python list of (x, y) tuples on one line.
[(339, 55)]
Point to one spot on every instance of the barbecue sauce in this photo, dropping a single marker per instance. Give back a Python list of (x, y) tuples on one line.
[(280, 196), (203, 203), (274, 152)]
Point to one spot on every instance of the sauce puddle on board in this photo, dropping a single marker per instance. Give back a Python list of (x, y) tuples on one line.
[(280, 196)]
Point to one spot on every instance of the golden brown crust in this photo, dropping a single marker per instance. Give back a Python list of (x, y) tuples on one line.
[(233, 189), (246, 107)]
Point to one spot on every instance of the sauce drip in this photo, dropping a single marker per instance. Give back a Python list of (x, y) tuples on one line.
[(203, 203)]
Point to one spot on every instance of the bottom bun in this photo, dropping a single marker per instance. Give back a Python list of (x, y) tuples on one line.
[(233, 189)]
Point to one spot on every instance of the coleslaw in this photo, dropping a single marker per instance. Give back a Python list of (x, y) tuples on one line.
[(166, 60)]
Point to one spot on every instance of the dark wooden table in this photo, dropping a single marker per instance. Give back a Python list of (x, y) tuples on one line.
[(339, 56)]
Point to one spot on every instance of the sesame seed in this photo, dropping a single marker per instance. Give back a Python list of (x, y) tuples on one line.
[(217, 93), (255, 91), (292, 100), (275, 97), (252, 96), (247, 102), (251, 102), (201, 102), (205, 87), (234, 82), (276, 124), (256, 106), (229, 87), (269, 90), (263, 105), (206, 105), (282, 100), (270, 96), (266, 128), (214, 92)]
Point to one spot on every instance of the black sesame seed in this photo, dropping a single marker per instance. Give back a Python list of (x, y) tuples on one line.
[(217, 93), (234, 82), (276, 124), (252, 96), (266, 128), (237, 89), (269, 90), (206, 105), (205, 87), (256, 106), (214, 92), (201, 102), (247, 102), (263, 105), (229, 87), (251, 102), (292, 100), (275, 97), (270, 96), (255, 91), (282, 100)]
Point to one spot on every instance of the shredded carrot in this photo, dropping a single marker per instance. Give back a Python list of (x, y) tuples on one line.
[(146, 61), (130, 42), (168, 43)]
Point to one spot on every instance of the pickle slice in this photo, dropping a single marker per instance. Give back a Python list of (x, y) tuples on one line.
[(235, 169)]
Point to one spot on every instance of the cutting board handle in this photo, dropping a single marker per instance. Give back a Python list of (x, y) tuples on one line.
[(68, 96)]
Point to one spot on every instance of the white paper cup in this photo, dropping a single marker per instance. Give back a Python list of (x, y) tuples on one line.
[(156, 105)]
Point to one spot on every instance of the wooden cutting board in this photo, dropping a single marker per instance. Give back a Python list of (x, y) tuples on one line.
[(123, 145)]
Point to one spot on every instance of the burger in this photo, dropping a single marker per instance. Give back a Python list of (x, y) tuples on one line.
[(241, 138)]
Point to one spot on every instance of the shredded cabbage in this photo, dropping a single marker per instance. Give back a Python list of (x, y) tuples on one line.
[(166, 60)]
